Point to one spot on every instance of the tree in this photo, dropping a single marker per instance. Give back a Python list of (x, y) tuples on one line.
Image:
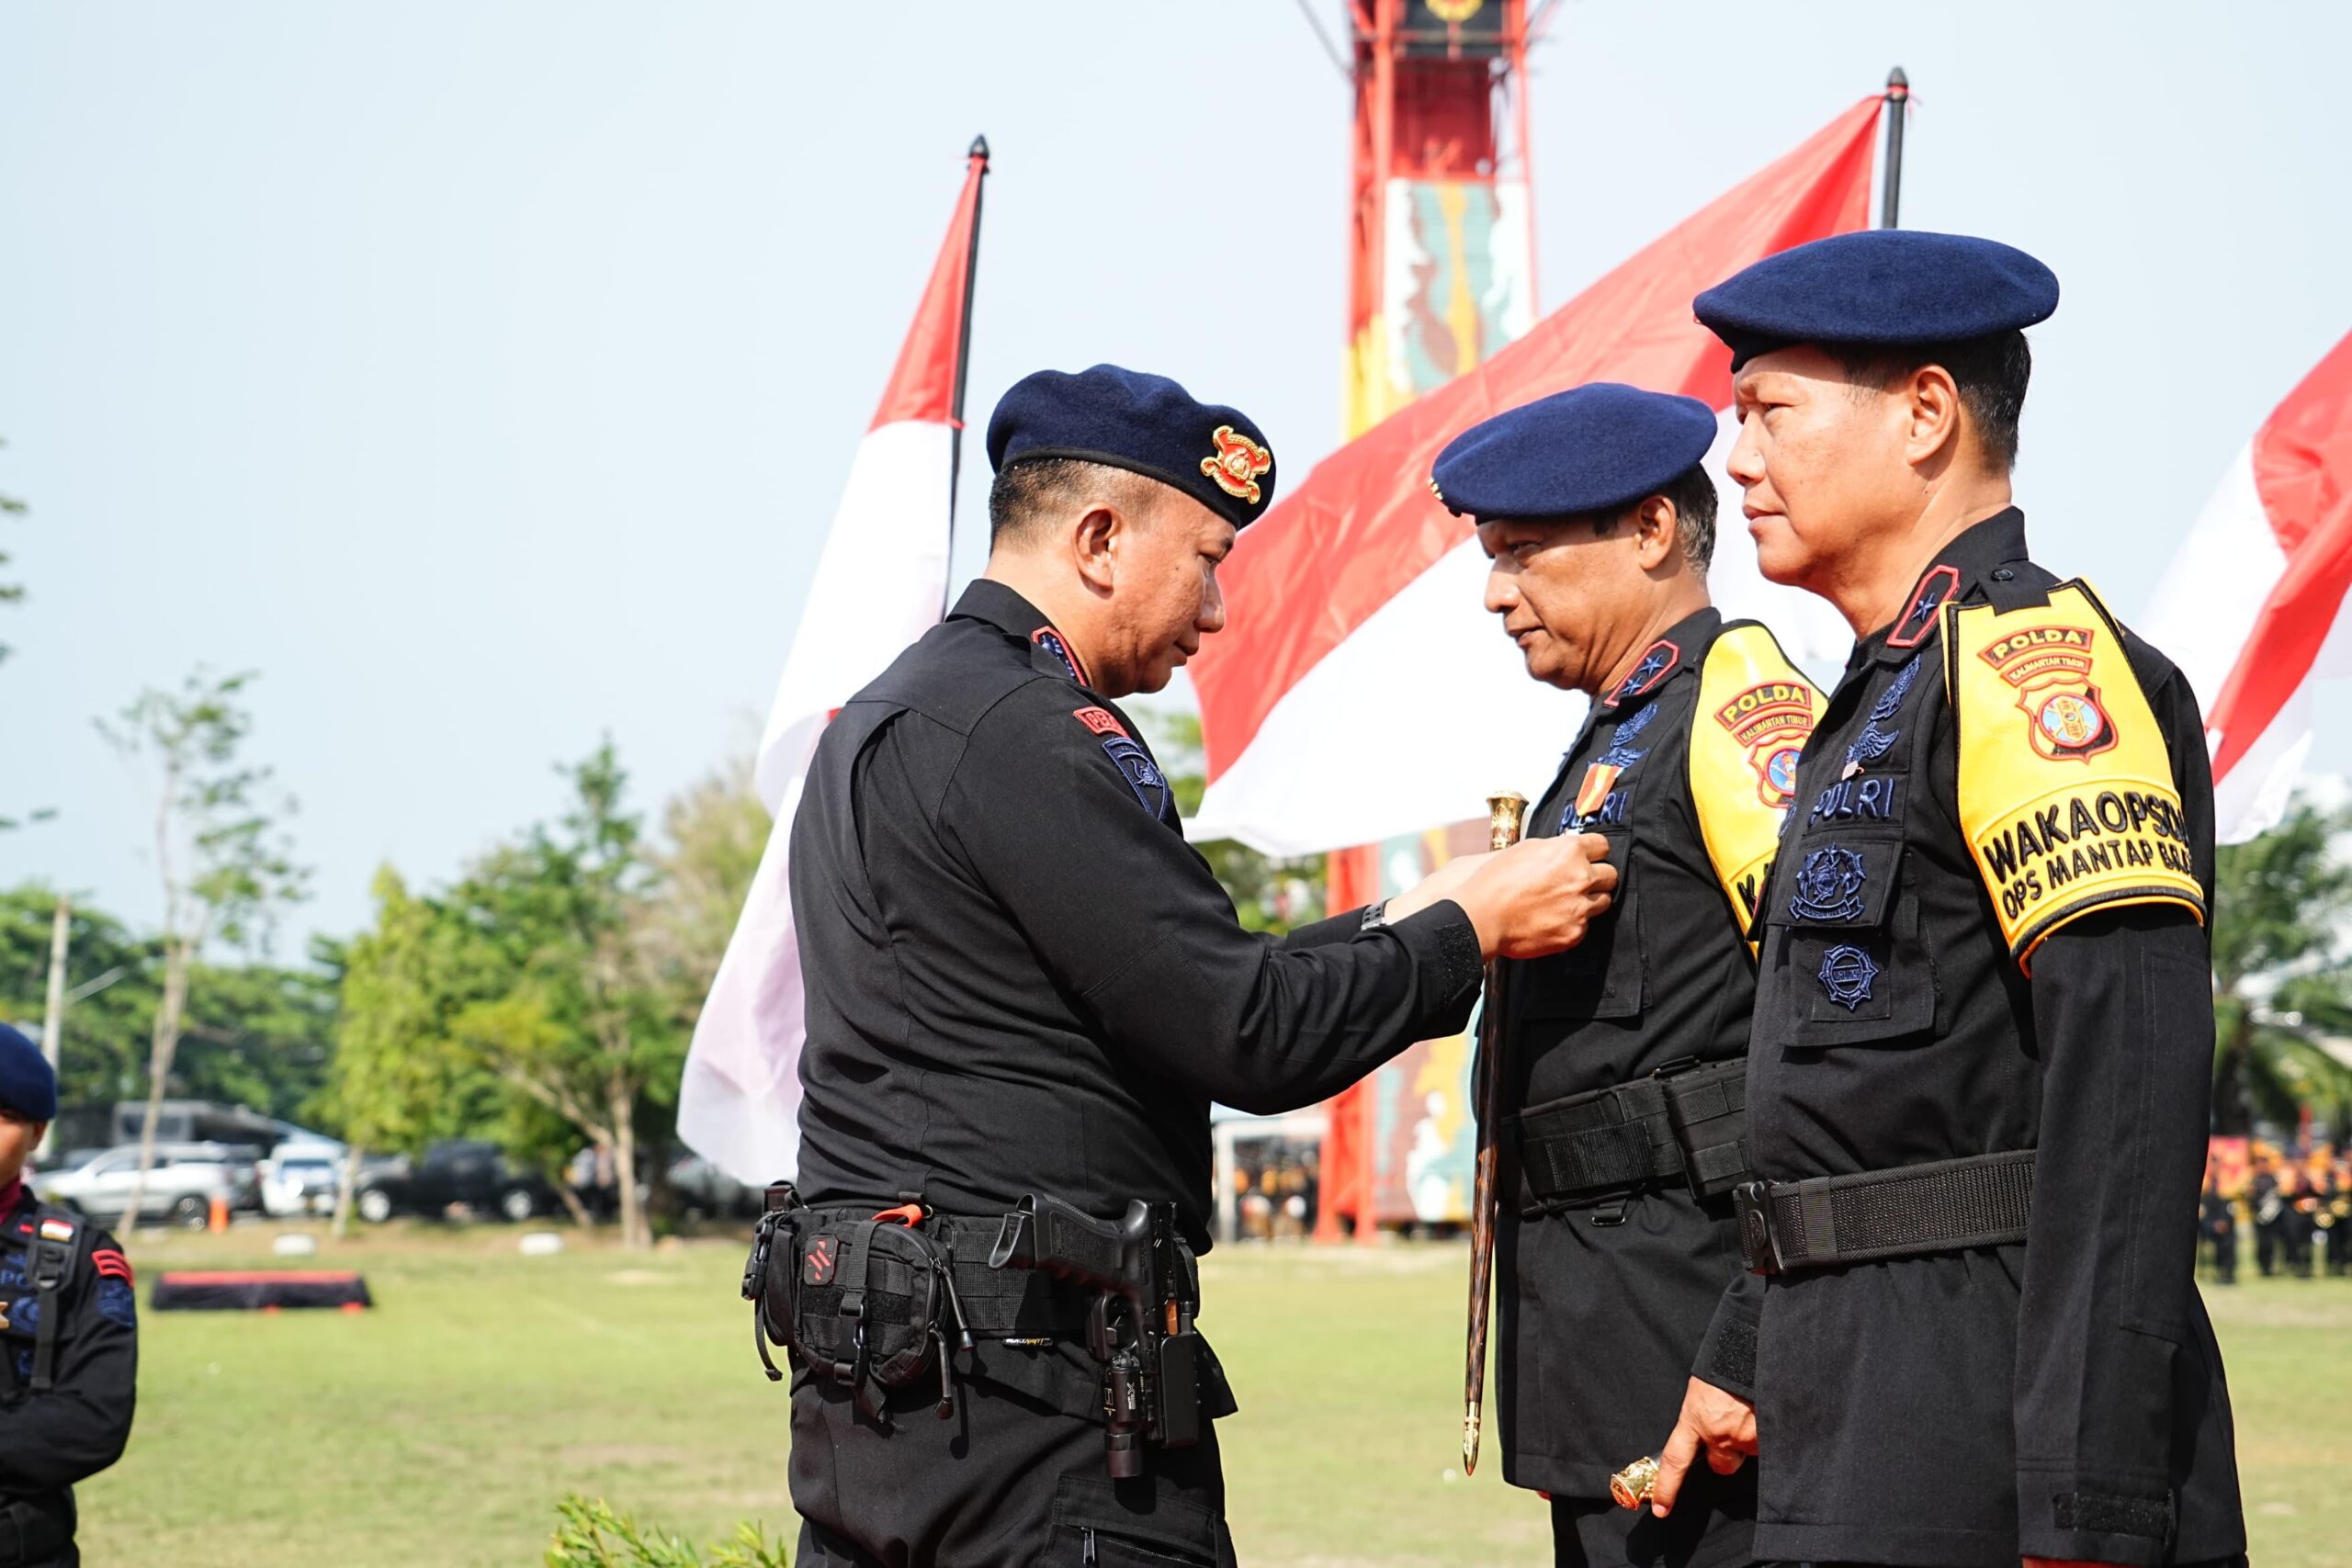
[(1270, 895), (106, 1028), (2279, 901), (223, 863)]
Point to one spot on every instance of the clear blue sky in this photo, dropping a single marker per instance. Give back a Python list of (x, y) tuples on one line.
[(486, 375)]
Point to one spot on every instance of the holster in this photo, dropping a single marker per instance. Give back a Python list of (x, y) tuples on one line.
[(1681, 1125)]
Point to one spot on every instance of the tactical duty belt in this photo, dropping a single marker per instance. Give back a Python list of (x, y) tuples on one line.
[(1682, 1122), (1909, 1211)]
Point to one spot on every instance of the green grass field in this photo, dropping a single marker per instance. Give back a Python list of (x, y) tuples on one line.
[(442, 1427)]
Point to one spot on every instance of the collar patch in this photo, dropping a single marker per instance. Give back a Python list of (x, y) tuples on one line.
[(1658, 661), (1237, 464), (1939, 584), (1053, 642)]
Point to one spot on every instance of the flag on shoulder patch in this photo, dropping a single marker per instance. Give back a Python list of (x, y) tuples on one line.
[(57, 1230)]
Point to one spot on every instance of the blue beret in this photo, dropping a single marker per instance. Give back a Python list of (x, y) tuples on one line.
[(1879, 288), (1588, 449), (1146, 424), (27, 1086)]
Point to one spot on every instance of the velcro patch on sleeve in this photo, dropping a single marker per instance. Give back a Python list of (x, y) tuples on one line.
[(2067, 792), (1101, 721), (1755, 715), (111, 1264)]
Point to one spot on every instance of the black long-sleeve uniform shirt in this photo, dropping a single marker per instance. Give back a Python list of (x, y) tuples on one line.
[(2064, 1397), (1020, 976), (52, 1439), (1603, 1304)]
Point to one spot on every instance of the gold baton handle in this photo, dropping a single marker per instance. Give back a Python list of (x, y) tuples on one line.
[(1506, 815)]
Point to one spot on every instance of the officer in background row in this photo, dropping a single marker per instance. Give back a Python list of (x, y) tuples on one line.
[(1979, 1075), (1622, 1058), (69, 1335), (1024, 988)]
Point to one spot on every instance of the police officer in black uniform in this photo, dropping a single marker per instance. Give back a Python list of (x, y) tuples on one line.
[(1024, 991), (1622, 1058), (69, 1335), (1978, 1079)]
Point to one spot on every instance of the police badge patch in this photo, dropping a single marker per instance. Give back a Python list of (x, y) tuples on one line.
[(1847, 974), (1829, 887), (1143, 777), (2050, 666)]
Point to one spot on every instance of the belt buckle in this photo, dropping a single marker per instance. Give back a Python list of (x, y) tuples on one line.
[(1760, 1249)]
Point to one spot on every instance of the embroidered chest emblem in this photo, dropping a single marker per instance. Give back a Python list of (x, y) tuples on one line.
[(1829, 887), (1847, 974), (1239, 463), (1879, 732), (2050, 668)]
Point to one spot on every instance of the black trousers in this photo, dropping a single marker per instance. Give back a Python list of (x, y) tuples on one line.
[(1016, 1477)]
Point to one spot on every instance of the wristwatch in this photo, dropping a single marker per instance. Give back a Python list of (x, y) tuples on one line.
[(1375, 916)]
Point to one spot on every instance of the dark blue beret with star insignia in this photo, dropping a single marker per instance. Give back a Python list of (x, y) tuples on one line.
[(1590, 449), (1146, 424), (1879, 288), (27, 1086)]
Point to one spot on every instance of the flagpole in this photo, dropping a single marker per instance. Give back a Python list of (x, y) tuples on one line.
[(978, 154), (1898, 98)]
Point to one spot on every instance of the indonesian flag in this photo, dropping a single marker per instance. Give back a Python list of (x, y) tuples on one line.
[(2252, 609), (1360, 691), (881, 580)]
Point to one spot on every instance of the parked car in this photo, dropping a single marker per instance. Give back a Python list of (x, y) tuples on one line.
[(185, 1180), (302, 1179), (706, 1192), (457, 1172)]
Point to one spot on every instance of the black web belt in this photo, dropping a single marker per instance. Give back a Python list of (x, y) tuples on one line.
[(998, 1304), (1681, 1123), (1909, 1211)]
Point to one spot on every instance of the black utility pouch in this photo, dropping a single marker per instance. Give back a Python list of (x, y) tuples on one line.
[(869, 1304), (772, 1273), (1707, 1109)]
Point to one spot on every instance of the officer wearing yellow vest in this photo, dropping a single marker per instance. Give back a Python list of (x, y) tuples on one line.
[(1978, 1079), (1622, 1059)]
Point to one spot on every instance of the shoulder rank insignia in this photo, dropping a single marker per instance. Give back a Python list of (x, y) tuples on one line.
[(2067, 792), (1056, 645), (1939, 584), (1237, 464), (1658, 661), (1754, 716)]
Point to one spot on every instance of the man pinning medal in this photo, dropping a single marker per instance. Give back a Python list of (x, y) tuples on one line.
[(1024, 991), (1969, 1332), (1622, 1058)]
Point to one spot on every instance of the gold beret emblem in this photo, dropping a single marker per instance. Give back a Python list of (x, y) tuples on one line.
[(1236, 465)]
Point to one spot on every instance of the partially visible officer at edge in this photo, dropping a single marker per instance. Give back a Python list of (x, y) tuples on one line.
[(69, 1335), (1979, 1076), (1624, 1057), (1022, 981)]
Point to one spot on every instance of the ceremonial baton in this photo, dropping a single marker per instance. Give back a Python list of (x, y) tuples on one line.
[(1505, 812)]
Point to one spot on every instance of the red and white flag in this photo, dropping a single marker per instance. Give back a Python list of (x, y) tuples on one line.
[(1360, 691), (2252, 609), (880, 580)]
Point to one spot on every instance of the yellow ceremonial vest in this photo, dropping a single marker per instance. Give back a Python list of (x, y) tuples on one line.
[(2067, 792), (1749, 727)]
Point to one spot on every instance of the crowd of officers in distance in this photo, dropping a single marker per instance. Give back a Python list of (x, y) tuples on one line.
[(1850, 1045), (2296, 1201)]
